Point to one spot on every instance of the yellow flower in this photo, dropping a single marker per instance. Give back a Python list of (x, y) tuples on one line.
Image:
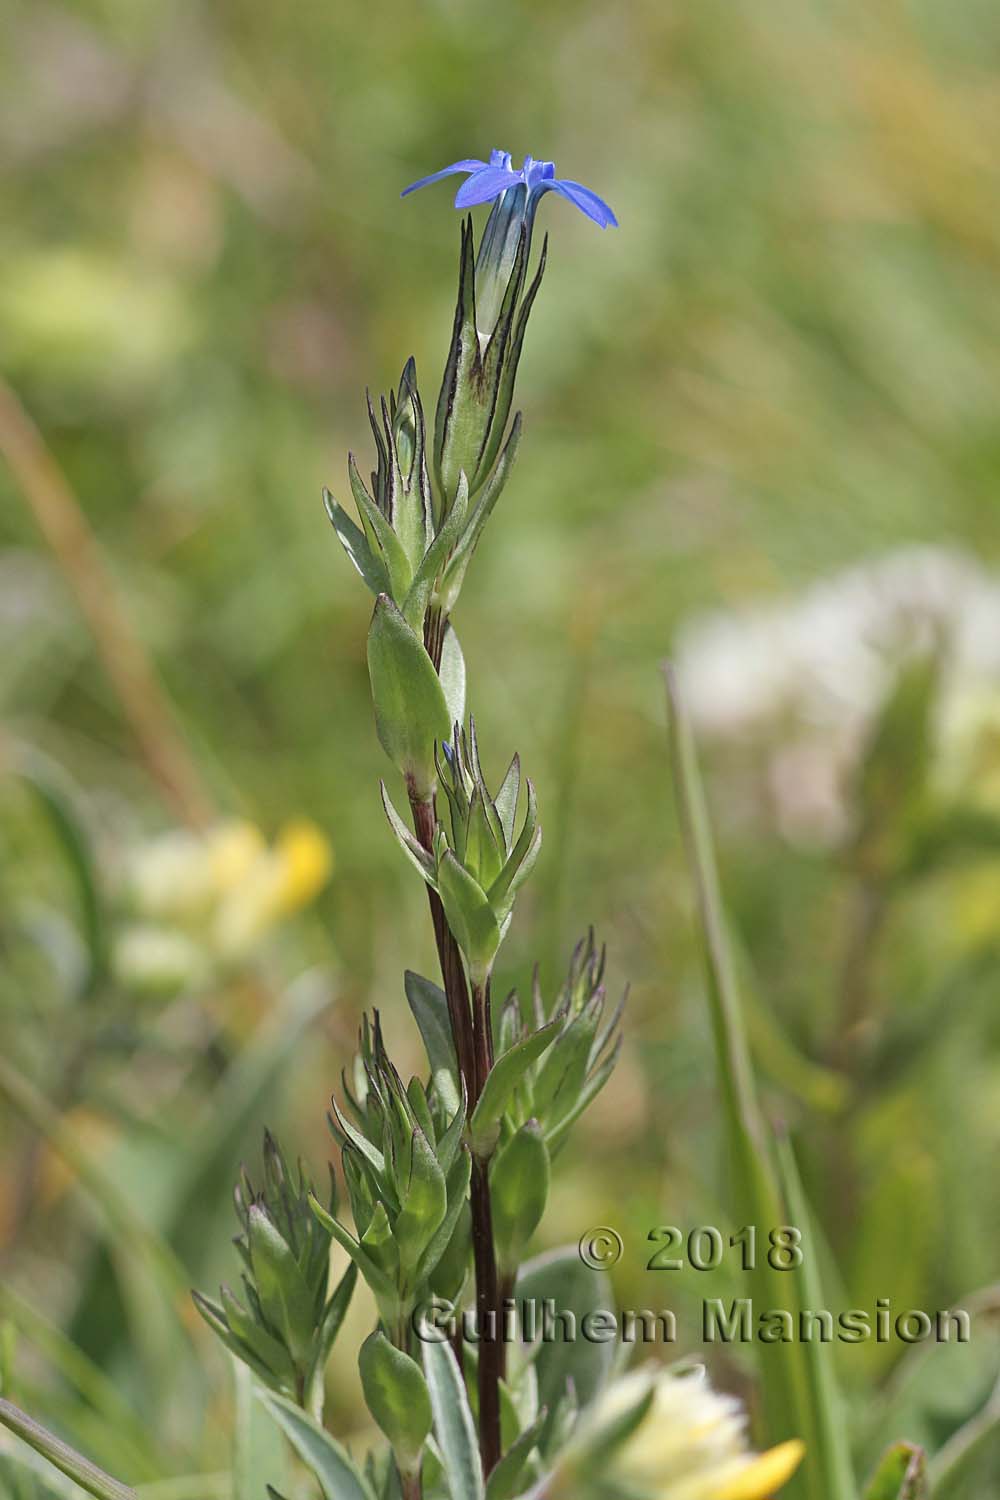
[(275, 883), (222, 890), (690, 1444)]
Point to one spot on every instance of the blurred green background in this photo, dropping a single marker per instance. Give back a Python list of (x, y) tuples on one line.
[(784, 363)]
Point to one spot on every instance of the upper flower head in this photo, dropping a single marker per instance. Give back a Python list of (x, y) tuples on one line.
[(486, 180)]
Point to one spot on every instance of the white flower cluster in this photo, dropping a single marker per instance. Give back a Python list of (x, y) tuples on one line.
[(798, 682)]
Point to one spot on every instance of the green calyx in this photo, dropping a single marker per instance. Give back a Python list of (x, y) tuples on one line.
[(411, 545), (477, 864), (284, 1326), (407, 1175), (477, 390), (558, 1087)]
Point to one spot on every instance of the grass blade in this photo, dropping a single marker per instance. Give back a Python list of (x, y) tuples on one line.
[(787, 1407), (62, 1457)]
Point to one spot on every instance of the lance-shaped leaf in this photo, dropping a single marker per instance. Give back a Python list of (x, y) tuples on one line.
[(369, 563), (268, 1350), (470, 916), (505, 800), (381, 1284), (430, 1011), (505, 1481), (454, 575), (436, 556), (458, 1187), (339, 1477), (333, 1316), (424, 1202), (410, 709), (457, 423), (521, 860), (519, 1189), (397, 1397), (382, 540), (414, 851), (452, 674), (284, 1295), (508, 374), (453, 1425), (501, 1082)]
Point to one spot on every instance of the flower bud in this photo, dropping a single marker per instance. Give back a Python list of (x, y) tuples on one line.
[(285, 1328), (478, 865)]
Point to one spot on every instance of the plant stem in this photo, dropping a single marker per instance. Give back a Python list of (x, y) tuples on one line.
[(474, 1049), (410, 1486), (487, 1317), (449, 957)]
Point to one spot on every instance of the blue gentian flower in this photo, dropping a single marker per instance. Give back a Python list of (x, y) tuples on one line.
[(486, 180), (514, 193)]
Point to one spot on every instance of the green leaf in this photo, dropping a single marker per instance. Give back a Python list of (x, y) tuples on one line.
[(271, 1354), (901, 1475), (484, 853), (505, 801), (453, 1425), (452, 674), (454, 576), (430, 1011), (382, 1285), (379, 530), (503, 1079), (333, 1316), (411, 713), (338, 1475), (257, 1444), (458, 422), (519, 1190), (414, 851), (470, 916), (355, 544), (574, 1288), (397, 1397), (435, 557), (458, 1187), (424, 1202), (787, 1409), (504, 1482), (283, 1293), (61, 1456), (505, 390)]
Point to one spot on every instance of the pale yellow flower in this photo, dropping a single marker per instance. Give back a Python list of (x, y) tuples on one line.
[(215, 894), (277, 882), (690, 1445)]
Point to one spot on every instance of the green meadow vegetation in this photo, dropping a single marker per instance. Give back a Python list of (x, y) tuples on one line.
[(738, 610)]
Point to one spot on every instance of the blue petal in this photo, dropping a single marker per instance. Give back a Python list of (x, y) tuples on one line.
[(582, 198), (483, 186), (469, 165)]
